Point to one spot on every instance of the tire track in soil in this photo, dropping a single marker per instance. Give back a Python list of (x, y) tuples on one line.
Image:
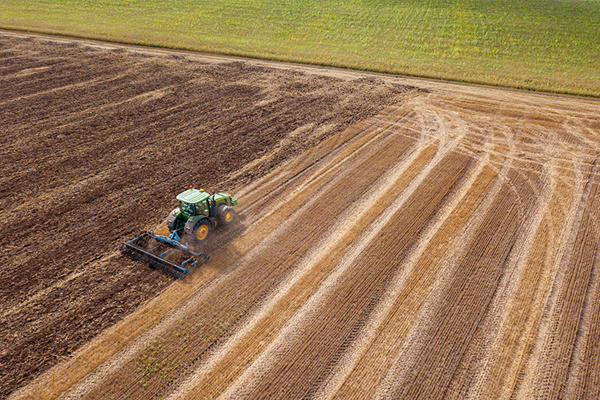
[(483, 347), (323, 162), (568, 305), (300, 369), (498, 371), (467, 296), (585, 381), (477, 357), (320, 166), (581, 371), (400, 362), (572, 217), (369, 359), (268, 267), (356, 376), (511, 335)]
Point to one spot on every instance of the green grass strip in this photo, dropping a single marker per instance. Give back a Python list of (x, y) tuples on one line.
[(547, 45)]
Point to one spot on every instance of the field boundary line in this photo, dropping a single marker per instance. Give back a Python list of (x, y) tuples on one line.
[(431, 83)]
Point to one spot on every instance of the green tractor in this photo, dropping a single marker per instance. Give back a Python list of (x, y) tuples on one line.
[(199, 213)]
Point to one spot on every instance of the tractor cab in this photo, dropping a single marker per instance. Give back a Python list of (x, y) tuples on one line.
[(194, 202)]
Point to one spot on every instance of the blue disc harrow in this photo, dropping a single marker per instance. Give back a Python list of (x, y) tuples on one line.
[(164, 252)]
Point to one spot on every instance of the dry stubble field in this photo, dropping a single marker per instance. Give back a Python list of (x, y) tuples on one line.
[(397, 239)]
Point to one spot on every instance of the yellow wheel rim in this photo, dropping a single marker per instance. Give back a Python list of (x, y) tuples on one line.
[(202, 232), (228, 216)]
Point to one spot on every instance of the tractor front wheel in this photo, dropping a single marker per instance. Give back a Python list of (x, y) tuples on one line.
[(201, 231)]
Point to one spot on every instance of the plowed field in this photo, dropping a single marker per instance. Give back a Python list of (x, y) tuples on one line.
[(398, 238)]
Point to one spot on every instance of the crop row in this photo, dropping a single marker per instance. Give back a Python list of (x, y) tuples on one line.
[(567, 314), (468, 294), (344, 311), (377, 358)]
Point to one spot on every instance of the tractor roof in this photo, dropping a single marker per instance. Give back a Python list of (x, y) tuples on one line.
[(192, 196)]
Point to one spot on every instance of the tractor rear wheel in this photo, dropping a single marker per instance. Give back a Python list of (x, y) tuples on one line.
[(226, 214), (201, 231)]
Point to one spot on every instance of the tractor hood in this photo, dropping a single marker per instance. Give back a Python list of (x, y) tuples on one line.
[(193, 196)]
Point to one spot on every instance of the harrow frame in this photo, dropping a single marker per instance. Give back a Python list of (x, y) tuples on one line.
[(157, 260)]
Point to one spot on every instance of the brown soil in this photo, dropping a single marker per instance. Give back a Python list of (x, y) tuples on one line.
[(439, 242), (95, 146)]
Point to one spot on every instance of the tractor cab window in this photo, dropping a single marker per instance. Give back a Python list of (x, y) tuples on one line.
[(186, 208), (201, 209)]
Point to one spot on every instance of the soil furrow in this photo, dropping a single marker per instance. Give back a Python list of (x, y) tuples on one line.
[(569, 303), (337, 326), (467, 297), (359, 378)]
